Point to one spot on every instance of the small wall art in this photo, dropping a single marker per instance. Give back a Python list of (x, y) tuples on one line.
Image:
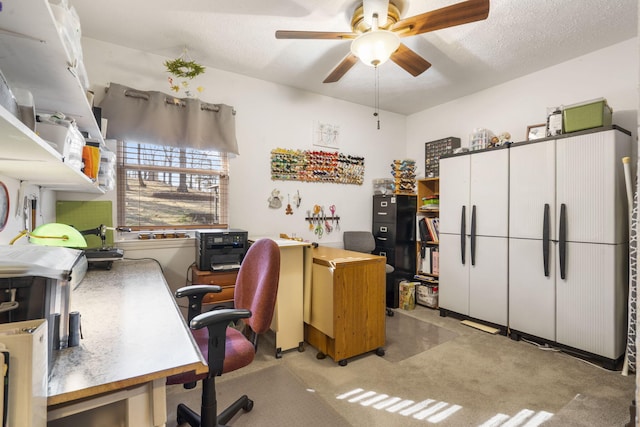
[(326, 135)]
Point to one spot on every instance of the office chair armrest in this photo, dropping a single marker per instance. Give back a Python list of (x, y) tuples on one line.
[(224, 316), (192, 290), (196, 294)]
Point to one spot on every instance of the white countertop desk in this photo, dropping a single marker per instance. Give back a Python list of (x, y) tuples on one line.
[(295, 274), (134, 336)]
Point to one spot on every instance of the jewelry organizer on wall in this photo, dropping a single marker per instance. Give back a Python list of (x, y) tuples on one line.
[(316, 166)]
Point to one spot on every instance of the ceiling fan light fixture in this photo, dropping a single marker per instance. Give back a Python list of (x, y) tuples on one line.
[(374, 47)]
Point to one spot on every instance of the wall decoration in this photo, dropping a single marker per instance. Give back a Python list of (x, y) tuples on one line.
[(536, 131), (316, 166), (326, 135), (183, 69), (275, 201), (4, 205), (297, 199)]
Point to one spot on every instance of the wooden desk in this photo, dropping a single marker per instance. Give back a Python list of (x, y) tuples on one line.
[(346, 303), (133, 338)]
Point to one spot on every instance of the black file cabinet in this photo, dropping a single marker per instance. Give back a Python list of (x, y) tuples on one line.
[(394, 229)]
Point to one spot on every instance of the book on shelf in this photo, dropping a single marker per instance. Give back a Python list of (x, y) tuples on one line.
[(426, 279), (435, 259), (432, 226), (429, 264)]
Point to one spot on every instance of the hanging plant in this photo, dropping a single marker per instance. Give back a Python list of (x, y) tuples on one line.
[(184, 69)]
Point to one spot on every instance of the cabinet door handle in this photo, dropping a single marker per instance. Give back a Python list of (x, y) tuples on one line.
[(473, 235), (562, 241), (463, 232), (545, 240)]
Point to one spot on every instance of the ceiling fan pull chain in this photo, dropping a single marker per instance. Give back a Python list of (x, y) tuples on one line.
[(376, 113)]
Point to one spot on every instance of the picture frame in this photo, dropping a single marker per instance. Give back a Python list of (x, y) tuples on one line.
[(536, 131)]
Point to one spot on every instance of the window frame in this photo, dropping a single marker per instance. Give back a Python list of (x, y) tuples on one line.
[(122, 168)]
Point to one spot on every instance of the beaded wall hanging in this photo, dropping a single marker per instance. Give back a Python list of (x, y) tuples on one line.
[(316, 166)]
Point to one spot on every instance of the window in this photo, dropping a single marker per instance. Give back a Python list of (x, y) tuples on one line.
[(169, 187)]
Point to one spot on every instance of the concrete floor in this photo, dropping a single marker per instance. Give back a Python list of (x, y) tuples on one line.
[(465, 376)]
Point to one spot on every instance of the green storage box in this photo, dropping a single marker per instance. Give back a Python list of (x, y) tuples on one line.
[(586, 115)]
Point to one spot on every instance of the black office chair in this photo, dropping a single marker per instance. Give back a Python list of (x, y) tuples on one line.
[(363, 241), (226, 348)]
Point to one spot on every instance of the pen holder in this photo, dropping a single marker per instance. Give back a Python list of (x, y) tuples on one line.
[(74, 329)]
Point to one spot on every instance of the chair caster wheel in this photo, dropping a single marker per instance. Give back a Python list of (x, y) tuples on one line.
[(320, 355), (380, 352), (390, 312), (248, 406), (278, 353), (343, 362), (300, 347)]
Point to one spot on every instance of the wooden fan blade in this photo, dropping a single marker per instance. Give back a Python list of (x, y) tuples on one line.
[(318, 35), (413, 63), (449, 16), (342, 68)]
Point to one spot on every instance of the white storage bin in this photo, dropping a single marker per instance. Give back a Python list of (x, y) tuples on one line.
[(66, 139)]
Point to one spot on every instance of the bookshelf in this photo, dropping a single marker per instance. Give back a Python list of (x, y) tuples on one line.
[(428, 212)]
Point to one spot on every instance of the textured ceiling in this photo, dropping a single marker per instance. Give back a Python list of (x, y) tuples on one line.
[(518, 37)]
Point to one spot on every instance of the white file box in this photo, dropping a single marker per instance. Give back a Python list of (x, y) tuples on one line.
[(26, 343)]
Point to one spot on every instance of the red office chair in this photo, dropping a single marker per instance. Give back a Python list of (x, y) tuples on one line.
[(227, 349)]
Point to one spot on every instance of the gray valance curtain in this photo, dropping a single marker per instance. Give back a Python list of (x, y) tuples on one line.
[(162, 119)]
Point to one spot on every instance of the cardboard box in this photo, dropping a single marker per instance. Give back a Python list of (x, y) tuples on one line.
[(407, 295), (587, 115)]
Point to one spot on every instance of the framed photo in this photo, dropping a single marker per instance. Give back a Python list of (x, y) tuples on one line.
[(536, 131)]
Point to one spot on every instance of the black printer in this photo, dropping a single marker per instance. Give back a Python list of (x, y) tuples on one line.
[(220, 250)]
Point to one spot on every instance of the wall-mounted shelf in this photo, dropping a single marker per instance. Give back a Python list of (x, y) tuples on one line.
[(35, 58), (26, 157)]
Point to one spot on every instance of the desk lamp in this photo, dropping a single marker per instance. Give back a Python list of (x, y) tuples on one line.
[(56, 234)]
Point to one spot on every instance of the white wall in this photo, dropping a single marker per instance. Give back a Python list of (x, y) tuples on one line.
[(45, 208), (611, 73), (271, 116)]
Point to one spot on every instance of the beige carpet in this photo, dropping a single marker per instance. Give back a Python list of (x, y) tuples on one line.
[(282, 399)]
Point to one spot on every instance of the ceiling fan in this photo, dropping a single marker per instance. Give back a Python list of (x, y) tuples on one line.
[(376, 30)]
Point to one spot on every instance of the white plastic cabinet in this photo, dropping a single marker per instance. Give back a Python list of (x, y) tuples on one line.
[(34, 57), (473, 235), (576, 295)]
